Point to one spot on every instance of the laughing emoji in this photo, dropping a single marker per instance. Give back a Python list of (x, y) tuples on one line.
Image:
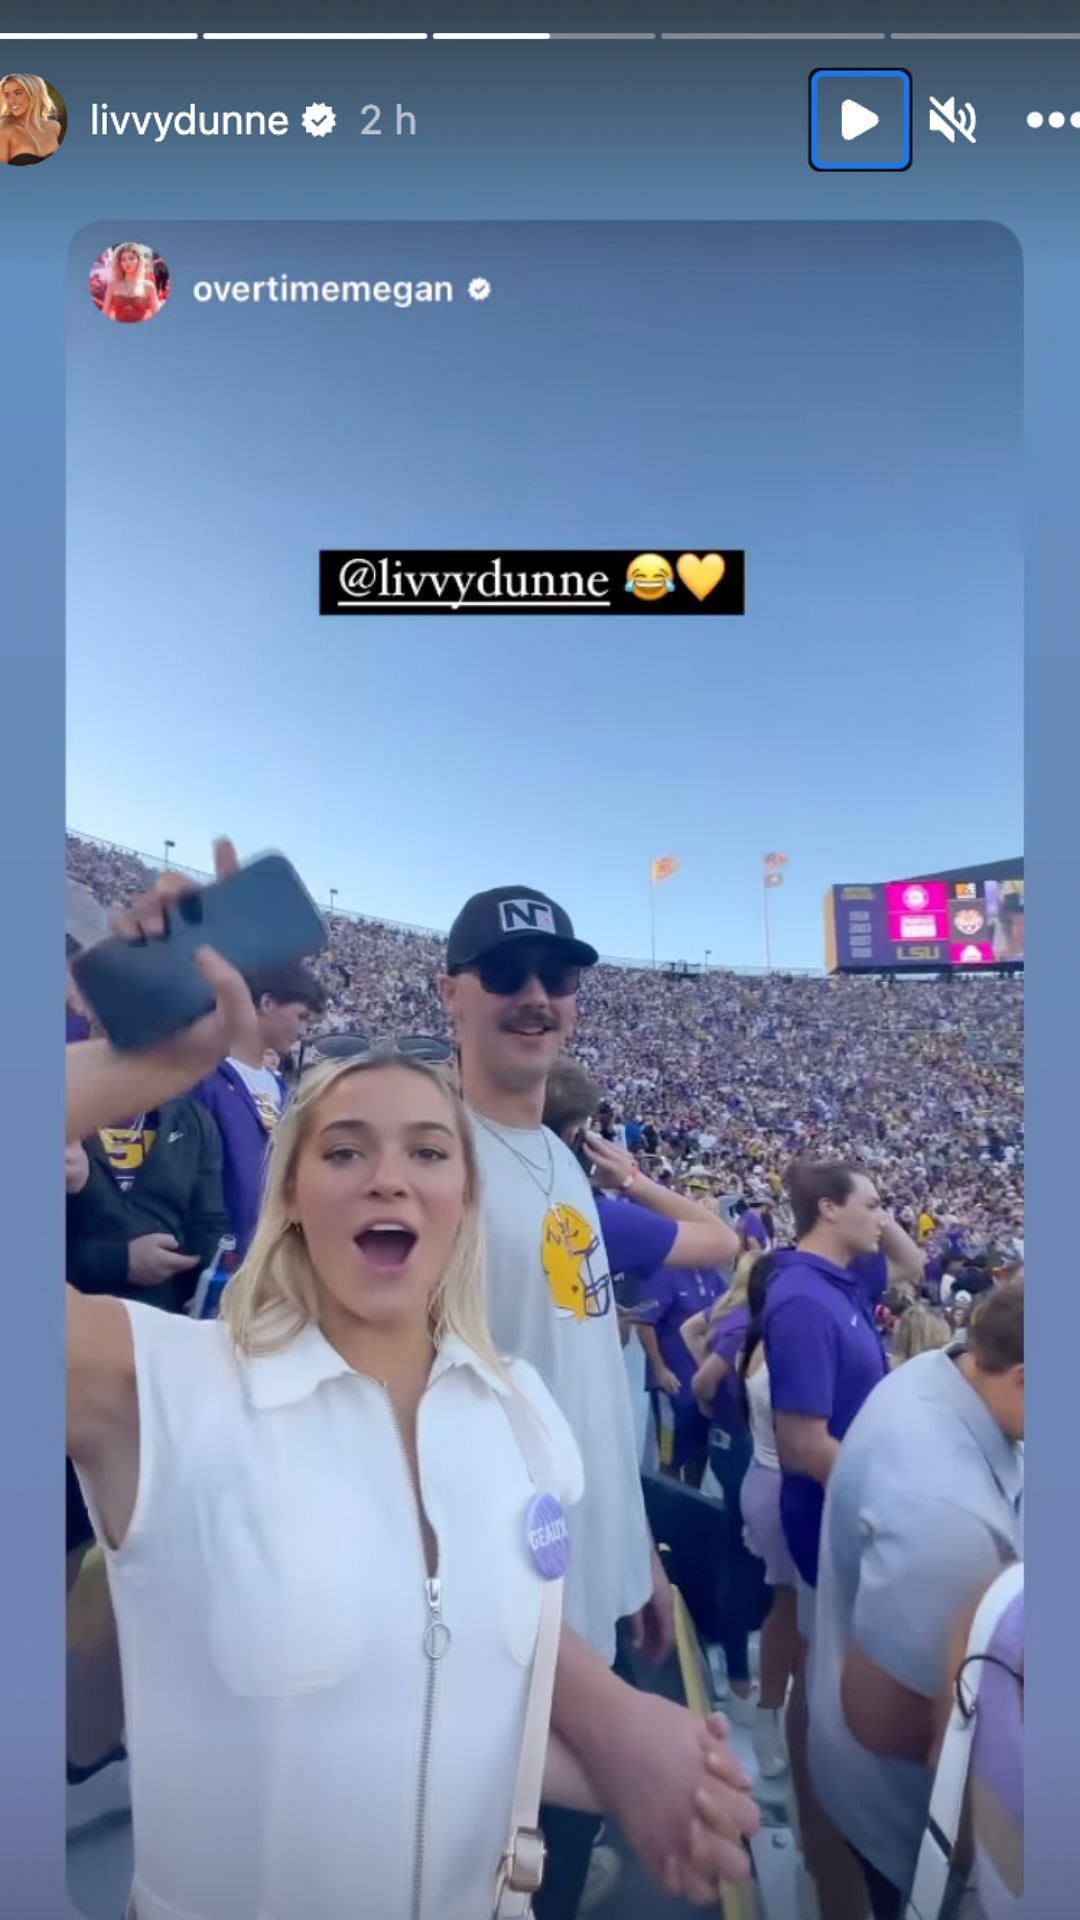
[(650, 577)]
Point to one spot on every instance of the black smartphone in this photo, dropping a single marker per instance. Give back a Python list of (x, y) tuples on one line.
[(141, 991)]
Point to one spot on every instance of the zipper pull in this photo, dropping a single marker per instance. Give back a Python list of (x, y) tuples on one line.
[(436, 1633)]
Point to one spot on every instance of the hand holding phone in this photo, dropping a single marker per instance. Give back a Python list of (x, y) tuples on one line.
[(144, 985)]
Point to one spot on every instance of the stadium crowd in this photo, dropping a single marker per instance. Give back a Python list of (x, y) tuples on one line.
[(921, 1083), (789, 1187)]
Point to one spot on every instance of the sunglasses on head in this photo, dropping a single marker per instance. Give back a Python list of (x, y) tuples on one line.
[(505, 970), (351, 1046)]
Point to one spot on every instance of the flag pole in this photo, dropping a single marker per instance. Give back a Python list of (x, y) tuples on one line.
[(765, 920), (652, 912)]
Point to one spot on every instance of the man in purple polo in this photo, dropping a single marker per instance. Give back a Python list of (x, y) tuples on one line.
[(246, 1098), (823, 1350), (825, 1357)]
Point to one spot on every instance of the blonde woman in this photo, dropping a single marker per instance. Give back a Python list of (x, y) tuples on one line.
[(323, 1526), (131, 292), (760, 1503), (919, 1330), (29, 128), (714, 1339)]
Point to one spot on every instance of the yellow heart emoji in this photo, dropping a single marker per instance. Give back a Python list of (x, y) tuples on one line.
[(701, 575)]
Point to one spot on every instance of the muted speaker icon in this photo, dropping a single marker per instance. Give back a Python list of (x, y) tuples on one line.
[(947, 118)]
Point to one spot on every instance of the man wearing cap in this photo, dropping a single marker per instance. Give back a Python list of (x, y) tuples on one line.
[(513, 967)]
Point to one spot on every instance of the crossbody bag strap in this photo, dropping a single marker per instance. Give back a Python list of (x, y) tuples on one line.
[(522, 1866), (935, 1861)]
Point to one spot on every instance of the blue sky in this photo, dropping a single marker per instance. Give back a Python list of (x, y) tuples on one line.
[(842, 401)]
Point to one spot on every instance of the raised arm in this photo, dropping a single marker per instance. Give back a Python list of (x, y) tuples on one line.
[(702, 1240), (103, 1085), (903, 1258)]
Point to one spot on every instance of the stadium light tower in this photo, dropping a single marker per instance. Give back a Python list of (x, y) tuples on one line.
[(708, 957), (169, 848), (333, 898)]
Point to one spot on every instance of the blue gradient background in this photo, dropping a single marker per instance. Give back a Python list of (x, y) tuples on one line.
[(843, 402), (664, 131)]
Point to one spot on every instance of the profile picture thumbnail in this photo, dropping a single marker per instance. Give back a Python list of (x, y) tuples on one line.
[(33, 120), (129, 282)]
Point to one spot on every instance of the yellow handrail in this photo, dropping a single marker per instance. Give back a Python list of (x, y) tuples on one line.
[(736, 1903)]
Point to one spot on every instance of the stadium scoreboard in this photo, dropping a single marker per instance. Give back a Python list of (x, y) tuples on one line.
[(972, 918)]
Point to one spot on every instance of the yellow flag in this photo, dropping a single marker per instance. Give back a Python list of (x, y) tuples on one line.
[(663, 868)]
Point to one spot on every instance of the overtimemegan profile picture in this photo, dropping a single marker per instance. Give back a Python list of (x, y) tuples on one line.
[(129, 282), (33, 120)]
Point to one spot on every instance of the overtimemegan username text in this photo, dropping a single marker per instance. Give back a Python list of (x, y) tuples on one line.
[(280, 289)]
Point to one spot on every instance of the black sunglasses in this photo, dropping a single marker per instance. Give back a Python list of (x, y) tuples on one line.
[(505, 970), (350, 1046)]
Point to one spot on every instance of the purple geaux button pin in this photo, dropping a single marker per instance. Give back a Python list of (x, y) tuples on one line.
[(547, 1536)]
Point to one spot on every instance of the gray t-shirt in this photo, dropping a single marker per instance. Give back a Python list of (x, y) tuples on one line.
[(550, 1302), (923, 1509)]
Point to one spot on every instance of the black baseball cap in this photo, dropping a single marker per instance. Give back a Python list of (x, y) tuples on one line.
[(504, 915)]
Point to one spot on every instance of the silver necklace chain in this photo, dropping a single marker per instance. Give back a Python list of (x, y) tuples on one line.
[(534, 1172)]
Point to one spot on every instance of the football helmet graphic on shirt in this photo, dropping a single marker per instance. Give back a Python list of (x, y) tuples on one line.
[(575, 1264)]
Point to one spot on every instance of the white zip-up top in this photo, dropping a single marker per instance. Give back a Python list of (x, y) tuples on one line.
[(316, 1729)]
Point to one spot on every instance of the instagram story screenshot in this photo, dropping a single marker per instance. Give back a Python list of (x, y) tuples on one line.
[(535, 541)]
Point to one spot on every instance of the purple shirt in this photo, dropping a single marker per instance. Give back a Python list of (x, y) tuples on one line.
[(635, 1240), (670, 1297), (871, 1270), (825, 1357), (245, 1145), (752, 1227), (727, 1337)]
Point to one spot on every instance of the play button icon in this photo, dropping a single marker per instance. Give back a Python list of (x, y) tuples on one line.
[(855, 120), (860, 119)]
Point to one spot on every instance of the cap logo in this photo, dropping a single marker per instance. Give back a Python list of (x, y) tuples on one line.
[(526, 916)]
